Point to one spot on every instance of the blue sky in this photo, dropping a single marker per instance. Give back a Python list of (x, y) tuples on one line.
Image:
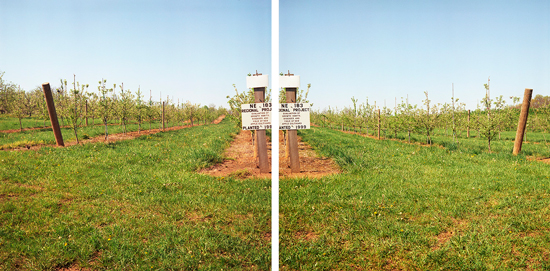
[(387, 49), (191, 50), (195, 50)]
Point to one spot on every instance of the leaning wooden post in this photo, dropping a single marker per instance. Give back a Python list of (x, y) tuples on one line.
[(378, 124), (163, 116), (468, 127), (53, 114), (522, 120)]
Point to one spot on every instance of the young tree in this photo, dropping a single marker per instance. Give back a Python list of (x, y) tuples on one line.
[(490, 123), (7, 95), (74, 114), (151, 110), (125, 105), (408, 117), (140, 108), (19, 108), (428, 118), (235, 103), (105, 104), (191, 111)]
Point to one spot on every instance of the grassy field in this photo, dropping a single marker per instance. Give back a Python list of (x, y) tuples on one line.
[(139, 204), (45, 136), (537, 145), (404, 206), (12, 123), (132, 205)]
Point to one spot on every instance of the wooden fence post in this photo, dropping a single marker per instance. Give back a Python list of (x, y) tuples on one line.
[(292, 136), (468, 127), (522, 120), (163, 116), (261, 144), (53, 114), (86, 113), (378, 124)]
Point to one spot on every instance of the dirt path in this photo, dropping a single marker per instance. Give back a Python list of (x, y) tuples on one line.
[(113, 137), (241, 163)]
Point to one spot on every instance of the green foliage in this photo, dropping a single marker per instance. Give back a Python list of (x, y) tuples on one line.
[(124, 106), (449, 119), (235, 103)]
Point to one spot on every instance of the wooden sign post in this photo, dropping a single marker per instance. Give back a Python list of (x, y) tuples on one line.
[(53, 114), (522, 120), (291, 84), (259, 84)]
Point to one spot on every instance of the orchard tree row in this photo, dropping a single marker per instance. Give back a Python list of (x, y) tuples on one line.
[(77, 106), (492, 117)]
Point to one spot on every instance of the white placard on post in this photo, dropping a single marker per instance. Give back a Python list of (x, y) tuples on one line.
[(294, 116), (289, 81), (259, 81), (256, 116)]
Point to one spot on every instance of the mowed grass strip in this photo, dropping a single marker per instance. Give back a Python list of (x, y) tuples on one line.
[(132, 205), (537, 145), (408, 207), (46, 136)]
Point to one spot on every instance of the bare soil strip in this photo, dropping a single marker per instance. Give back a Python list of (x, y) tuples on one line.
[(240, 161), (113, 137)]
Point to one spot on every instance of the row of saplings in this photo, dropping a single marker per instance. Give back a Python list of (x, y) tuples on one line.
[(489, 121), (77, 107)]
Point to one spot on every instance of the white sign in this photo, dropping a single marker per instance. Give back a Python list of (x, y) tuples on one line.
[(289, 81), (260, 81), (294, 116), (256, 116)]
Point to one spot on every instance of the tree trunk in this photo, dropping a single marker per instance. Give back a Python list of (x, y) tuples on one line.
[(76, 136), (106, 133)]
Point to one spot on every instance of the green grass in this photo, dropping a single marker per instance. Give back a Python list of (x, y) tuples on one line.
[(538, 144), (132, 205), (45, 136), (12, 123), (403, 206)]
